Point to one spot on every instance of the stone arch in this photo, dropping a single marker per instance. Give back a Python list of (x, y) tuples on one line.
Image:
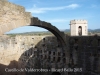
[(60, 35), (14, 16), (34, 21)]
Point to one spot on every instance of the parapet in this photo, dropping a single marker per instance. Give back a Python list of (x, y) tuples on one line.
[(78, 22)]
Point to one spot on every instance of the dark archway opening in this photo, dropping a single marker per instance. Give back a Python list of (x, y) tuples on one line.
[(56, 73), (79, 30)]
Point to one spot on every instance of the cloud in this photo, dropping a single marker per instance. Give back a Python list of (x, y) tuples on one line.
[(37, 10), (72, 6)]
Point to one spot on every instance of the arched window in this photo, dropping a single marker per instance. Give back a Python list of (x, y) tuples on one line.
[(79, 30)]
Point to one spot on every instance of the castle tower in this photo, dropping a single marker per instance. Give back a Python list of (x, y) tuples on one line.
[(78, 28)]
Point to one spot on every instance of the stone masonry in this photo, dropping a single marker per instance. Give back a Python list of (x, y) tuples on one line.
[(13, 16), (46, 52), (81, 53)]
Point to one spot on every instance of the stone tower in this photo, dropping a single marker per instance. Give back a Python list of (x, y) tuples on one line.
[(78, 28)]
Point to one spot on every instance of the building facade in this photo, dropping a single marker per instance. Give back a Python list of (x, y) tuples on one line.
[(79, 27)]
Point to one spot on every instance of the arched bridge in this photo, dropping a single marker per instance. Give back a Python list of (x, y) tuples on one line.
[(13, 16)]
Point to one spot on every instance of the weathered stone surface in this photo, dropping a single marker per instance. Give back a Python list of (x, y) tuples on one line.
[(44, 52), (29, 51), (14, 16)]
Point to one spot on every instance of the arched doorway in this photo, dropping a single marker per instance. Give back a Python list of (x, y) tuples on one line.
[(80, 30)]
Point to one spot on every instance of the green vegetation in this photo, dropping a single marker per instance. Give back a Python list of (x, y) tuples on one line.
[(12, 35), (67, 31), (30, 34)]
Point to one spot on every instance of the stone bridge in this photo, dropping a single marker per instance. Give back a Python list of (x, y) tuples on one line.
[(13, 16)]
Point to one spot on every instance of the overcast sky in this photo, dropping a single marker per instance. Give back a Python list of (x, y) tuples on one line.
[(60, 12)]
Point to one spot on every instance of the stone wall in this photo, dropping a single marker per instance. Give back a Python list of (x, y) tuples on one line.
[(12, 16), (46, 52), (85, 53), (23, 48)]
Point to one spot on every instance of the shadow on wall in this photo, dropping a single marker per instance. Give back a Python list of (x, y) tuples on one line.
[(47, 54), (37, 60), (9, 69)]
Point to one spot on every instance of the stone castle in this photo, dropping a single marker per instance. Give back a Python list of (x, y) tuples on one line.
[(78, 54)]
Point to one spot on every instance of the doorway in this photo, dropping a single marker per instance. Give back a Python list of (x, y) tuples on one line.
[(79, 30)]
